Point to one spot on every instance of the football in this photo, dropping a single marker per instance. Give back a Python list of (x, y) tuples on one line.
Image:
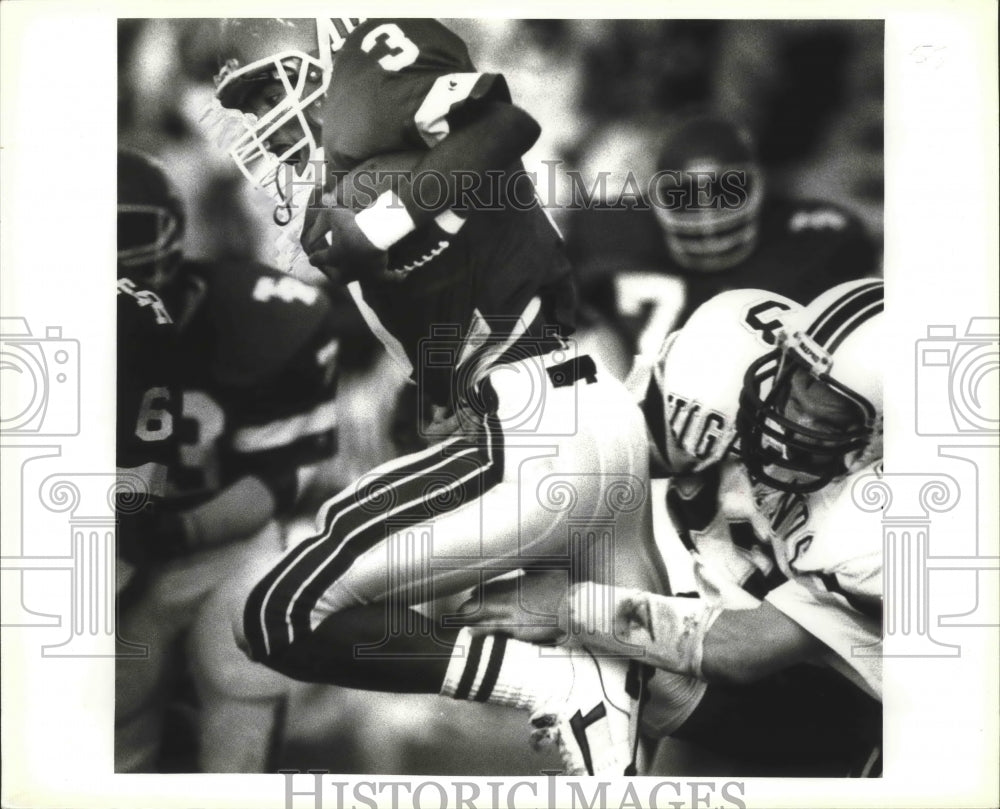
[(360, 187)]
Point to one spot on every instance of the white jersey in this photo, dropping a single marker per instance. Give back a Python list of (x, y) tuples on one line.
[(831, 552), (815, 557), (690, 400), (717, 520)]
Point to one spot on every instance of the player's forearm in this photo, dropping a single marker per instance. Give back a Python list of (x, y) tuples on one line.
[(664, 631), (238, 511), (492, 140), (688, 636), (744, 646)]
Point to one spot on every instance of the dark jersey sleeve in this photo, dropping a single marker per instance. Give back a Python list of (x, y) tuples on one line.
[(282, 426), (823, 243), (847, 250), (396, 85), (274, 374)]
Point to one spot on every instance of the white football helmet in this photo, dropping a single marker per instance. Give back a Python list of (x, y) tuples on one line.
[(838, 340), (692, 404), (280, 149), (299, 53)]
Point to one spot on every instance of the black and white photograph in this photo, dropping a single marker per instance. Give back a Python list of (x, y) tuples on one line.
[(505, 410)]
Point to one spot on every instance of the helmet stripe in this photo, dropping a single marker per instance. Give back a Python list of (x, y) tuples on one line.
[(833, 308), (839, 314), (863, 316)]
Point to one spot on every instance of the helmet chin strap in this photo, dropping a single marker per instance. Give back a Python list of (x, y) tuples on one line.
[(293, 205)]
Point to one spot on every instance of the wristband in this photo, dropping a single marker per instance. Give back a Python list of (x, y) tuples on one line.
[(386, 221), (449, 221)]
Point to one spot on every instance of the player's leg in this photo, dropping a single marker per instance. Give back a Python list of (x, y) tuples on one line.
[(574, 500), (157, 617), (241, 705), (142, 684), (474, 506)]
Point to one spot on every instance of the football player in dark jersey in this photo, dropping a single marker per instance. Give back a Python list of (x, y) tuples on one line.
[(472, 293), (705, 226), (148, 407), (254, 366)]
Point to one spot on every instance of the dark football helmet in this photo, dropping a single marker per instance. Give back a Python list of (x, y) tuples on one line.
[(709, 191), (150, 221), (784, 427)]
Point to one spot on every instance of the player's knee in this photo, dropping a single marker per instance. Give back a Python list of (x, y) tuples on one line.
[(260, 630), (249, 630), (236, 620), (218, 652), (225, 672)]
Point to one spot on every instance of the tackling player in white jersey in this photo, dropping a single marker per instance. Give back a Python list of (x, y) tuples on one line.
[(789, 569)]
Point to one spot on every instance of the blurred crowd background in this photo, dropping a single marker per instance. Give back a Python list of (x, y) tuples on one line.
[(811, 92)]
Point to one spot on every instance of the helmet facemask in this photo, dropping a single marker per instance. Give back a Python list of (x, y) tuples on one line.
[(709, 192), (149, 243), (304, 79), (711, 226), (782, 451), (292, 174), (150, 226)]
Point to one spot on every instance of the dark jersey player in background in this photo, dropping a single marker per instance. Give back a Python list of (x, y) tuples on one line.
[(457, 285), (253, 370), (148, 407), (708, 226)]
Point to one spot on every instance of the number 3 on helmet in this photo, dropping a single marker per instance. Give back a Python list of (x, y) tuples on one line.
[(811, 410)]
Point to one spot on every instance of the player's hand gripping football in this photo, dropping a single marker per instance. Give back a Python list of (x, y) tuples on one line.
[(337, 247)]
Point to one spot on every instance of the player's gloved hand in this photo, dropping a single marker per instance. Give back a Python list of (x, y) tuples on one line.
[(337, 247), (532, 608)]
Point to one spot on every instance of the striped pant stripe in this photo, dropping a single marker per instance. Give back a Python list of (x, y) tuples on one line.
[(412, 490)]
